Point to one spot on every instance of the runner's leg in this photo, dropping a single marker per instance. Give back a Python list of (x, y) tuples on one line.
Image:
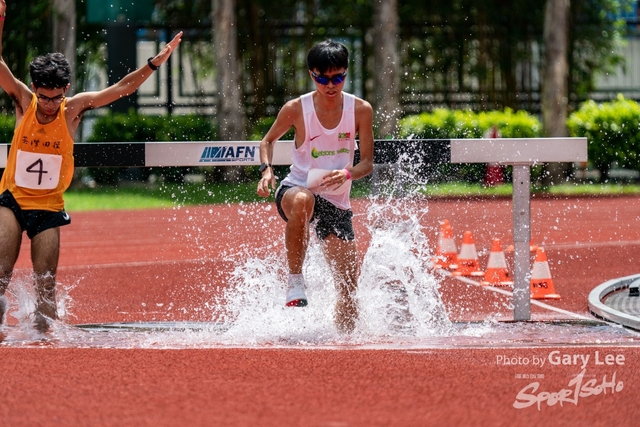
[(342, 257), (45, 251), (11, 238), (297, 204)]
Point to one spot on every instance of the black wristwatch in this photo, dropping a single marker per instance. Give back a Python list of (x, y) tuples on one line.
[(151, 64), (264, 166)]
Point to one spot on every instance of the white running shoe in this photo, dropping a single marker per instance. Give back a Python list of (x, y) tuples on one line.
[(295, 294)]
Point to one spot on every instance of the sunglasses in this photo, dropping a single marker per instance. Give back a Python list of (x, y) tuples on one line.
[(323, 80)]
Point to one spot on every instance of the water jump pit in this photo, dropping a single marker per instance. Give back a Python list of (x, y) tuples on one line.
[(185, 335), (462, 335), (396, 242)]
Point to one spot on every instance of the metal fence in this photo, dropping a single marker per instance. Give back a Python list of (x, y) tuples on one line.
[(188, 84)]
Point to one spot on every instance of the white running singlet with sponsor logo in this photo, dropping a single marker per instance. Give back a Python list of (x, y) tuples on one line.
[(323, 148)]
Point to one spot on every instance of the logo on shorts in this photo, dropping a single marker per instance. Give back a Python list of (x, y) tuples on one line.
[(65, 216)]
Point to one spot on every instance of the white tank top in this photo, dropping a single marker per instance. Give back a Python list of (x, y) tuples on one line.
[(323, 148)]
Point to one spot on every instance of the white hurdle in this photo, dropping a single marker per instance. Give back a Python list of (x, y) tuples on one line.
[(167, 154), (4, 150), (521, 153)]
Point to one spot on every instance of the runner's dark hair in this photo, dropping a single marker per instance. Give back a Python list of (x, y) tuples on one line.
[(328, 55), (50, 71)]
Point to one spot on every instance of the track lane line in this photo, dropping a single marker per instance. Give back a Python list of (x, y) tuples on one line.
[(579, 245), (510, 294)]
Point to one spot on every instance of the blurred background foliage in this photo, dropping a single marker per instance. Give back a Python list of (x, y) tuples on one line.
[(467, 65), (482, 47)]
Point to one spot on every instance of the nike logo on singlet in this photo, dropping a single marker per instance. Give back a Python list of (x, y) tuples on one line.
[(317, 136)]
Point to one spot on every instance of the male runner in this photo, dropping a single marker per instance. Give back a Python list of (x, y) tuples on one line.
[(317, 189), (40, 164)]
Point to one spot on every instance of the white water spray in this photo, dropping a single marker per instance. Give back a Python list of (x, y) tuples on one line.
[(397, 294)]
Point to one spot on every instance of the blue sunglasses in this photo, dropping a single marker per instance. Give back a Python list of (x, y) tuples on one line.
[(323, 80)]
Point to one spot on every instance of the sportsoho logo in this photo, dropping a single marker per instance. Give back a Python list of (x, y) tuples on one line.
[(228, 153)]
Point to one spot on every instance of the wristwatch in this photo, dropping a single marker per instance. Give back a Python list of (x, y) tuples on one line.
[(264, 166)]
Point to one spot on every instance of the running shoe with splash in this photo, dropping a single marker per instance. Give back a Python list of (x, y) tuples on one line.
[(295, 294)]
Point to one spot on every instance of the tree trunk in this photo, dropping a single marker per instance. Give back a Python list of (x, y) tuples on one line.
[(230, 114), (64, 34), (386, 42), (555, 91)]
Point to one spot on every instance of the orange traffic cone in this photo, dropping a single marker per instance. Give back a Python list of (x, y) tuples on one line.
[(532, 247), (497, 274), (446, 252), (541, 283), (468, 264)]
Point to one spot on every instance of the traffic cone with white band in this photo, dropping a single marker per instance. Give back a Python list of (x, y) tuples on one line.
[(446, 252), (497, 273), (541, 283), (468, 264)]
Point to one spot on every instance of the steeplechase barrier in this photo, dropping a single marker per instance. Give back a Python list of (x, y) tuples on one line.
[(520, 153)]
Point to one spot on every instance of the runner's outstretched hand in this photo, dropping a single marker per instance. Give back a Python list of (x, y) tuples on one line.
[(166, 52)]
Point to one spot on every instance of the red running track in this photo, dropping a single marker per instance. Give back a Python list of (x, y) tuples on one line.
[(116, 260)]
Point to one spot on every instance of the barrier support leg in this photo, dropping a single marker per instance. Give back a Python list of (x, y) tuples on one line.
[(375, 180), (522, 241)]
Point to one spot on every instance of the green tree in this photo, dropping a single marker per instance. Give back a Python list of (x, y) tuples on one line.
[(27, 33), (386, 44), (64, 34), (478, 49), (555, 71)]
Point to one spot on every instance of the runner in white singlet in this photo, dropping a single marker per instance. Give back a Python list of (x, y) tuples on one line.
[(317, 189)]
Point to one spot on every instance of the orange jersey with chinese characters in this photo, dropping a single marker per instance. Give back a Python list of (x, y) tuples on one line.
[(40, 163)]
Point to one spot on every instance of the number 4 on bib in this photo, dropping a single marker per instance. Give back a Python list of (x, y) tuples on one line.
[(37, 171)]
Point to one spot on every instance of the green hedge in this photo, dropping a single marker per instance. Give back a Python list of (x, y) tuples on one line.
[(262, 126), (612, 130), (134, 127), (7, 125), (448, 124)]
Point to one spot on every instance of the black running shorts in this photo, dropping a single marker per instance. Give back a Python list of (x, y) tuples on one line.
[(328, 218), (34, 221)]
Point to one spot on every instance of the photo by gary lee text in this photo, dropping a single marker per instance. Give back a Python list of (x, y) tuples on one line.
[(557, 358)]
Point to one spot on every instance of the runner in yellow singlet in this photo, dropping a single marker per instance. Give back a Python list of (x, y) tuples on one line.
[(40, 164)]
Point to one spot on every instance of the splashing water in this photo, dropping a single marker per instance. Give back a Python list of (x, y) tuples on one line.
[(255, 303), (397, 295), (398, 299), (22, 304)]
